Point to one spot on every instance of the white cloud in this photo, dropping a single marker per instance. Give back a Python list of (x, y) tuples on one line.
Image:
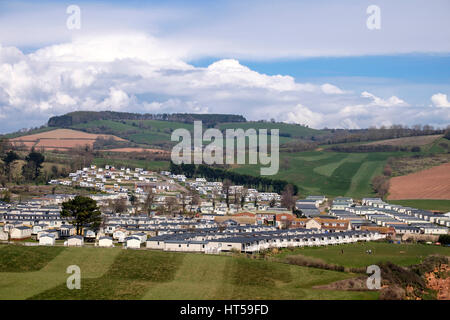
[(138, 73), (440, 100), (301, 114), (331, 89), (250, 29), (390, 102)]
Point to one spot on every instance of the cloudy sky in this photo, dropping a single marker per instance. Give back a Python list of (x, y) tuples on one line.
[(308, 62)]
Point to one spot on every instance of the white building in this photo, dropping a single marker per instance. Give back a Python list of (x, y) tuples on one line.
[(47, 239), (133, 242), (105, 242), (75, 241)]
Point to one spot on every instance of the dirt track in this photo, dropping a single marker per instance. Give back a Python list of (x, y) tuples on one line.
[(433, 183)]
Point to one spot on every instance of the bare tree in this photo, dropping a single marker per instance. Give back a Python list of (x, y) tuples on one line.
[(183, 200), (118, 205), (171, 205), (226, 189), (244, 194), (288, 200), (149, 200)]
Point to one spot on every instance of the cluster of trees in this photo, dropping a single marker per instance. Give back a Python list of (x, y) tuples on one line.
[(298, 146), (218, 174), (78, 117), (447, 134), (371, 134), (31, 170), (380, 184)]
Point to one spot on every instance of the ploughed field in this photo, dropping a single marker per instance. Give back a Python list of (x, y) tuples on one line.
[(433, 183), (60, 139), (115, 273)]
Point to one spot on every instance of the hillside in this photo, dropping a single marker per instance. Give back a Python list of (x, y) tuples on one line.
[(77, 117), (38, 273), (141, 274), (60, 139), (309, 158)]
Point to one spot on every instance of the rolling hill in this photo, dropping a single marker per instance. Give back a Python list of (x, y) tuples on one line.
[(60, 139), (326, 167)]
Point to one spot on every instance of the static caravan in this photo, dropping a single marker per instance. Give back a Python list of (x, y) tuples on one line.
[(47, 239), (133, 242), (22, 232), (105, 242), (75, 241)]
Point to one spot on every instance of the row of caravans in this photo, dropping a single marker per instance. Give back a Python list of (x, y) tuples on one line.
[(256, 244)]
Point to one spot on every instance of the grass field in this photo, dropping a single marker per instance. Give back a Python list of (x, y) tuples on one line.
[(114, 273), (440, 205), (329, 173), (355, 254)]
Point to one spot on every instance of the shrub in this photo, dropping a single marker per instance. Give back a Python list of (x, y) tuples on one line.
[(444, 238)]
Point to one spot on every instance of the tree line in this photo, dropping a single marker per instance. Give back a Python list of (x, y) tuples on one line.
[(371, 134), (375, 148), (78, 117)]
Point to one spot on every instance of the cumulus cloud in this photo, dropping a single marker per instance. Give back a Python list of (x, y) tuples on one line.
[(331, 89), (440, 100), (139, 73), (390, 102)]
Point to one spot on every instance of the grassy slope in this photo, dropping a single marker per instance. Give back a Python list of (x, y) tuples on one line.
[(329, 173), (295, 131), (22, 285), (129, 274), (354, 254)]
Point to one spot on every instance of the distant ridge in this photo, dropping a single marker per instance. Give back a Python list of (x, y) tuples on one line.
[(77, 117)]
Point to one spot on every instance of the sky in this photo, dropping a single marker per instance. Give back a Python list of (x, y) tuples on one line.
[(315, 63)]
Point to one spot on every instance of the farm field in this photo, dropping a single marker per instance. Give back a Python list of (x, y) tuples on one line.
[(330, 173), (114, 273), (408, 141), (355, 254), (433, 183), (60, 139)]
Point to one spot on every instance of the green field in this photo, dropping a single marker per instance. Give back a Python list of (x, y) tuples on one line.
[(329, 173), (115, 273), (440, 205), (355, 254)]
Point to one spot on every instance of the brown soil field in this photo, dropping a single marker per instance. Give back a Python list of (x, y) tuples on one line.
[(408, 141), (136, 150), (60, 139), (433, 183)]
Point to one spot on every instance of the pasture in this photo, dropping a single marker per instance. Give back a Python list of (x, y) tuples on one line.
[(115, 273), (354, 255), (329, 173)]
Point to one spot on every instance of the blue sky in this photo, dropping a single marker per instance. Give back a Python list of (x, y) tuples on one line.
[(310, 62)]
